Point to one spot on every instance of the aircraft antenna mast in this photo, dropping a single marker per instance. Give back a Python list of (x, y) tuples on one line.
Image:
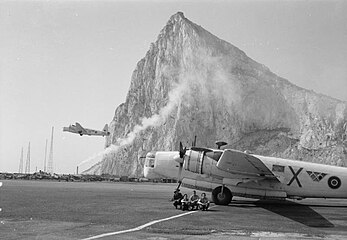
[(27, 164), (45, 162), (21, 162), (50, 159)]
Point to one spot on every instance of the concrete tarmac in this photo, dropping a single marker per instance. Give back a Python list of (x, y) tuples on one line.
[(77, 210)]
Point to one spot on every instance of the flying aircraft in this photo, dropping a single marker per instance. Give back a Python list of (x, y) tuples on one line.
[(77, 128), (227, 173)]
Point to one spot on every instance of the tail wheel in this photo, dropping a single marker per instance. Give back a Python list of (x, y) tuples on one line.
[(220, 197)]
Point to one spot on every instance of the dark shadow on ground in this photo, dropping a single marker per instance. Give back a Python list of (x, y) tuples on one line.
[(252, 202), (212, 210), (301, 213), (208, 210)]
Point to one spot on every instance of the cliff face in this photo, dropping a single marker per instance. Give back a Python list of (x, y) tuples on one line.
[(192, 83)]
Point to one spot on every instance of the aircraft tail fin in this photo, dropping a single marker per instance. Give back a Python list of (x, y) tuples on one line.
[(105, 130)]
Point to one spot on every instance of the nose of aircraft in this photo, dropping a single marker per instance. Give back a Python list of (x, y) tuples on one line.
[(161, 165), (149, 173), (148, 170)]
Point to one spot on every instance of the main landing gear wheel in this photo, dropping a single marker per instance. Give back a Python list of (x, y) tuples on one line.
[(220, 197)]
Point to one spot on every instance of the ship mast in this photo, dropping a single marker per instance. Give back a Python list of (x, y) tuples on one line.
[(21, 162), (45, 162), (50, 159), (27, 164)]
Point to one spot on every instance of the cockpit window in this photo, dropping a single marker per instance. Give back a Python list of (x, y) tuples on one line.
[(150, 159), (214, 155), (150, 155), (149, 162)]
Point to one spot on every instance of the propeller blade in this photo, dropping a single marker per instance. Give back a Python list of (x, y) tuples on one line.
[(182, 151), (179, 184), (179, 175), (180, 160)]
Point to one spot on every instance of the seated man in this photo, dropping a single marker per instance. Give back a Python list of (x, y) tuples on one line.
[(204, 203), (185, 202), (177, 197), (194, 200)]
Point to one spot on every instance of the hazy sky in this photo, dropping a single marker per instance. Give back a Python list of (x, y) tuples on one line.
[(68, 61)]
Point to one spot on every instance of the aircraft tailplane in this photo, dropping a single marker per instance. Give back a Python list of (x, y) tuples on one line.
[(105, 129)]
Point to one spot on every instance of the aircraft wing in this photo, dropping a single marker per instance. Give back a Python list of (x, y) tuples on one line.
[(244, 164), (80, 129)]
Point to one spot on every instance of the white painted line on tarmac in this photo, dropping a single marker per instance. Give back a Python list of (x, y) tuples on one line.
[(138, 228)]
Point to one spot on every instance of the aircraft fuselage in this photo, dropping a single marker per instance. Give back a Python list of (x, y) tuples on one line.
[(85, 131), (290, 179)]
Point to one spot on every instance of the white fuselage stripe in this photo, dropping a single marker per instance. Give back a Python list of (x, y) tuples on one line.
[(139, 227)]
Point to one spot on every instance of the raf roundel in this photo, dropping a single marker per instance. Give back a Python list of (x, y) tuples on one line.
[(334, 182)]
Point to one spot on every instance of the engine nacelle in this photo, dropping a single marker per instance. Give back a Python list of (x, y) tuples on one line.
[(197, 162)]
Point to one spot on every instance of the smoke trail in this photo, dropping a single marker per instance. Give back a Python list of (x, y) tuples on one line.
[(157, 119), (96, 157), (199, 71), (175, 96)]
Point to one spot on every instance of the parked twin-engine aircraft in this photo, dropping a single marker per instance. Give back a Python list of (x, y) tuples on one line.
[(229, 173), (77, 128)]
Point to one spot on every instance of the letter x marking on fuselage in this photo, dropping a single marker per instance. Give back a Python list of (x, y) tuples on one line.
[(295, 176)]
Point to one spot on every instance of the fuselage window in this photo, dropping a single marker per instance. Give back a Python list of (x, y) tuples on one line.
[(214, 155), (150, 159)]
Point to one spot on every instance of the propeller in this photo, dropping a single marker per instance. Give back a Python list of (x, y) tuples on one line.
[(179, 175), (180, 160), (182, 151)]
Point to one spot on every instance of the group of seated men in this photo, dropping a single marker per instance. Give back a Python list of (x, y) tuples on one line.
[(194, 202)]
